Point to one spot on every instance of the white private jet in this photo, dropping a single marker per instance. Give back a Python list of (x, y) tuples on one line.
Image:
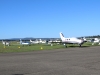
[(95, 40), (24, 43), (71, 40)]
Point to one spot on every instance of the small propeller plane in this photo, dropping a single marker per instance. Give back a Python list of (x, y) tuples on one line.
[(71, 40), (34, 42), (95, 41), (5, 43), (24, 43)]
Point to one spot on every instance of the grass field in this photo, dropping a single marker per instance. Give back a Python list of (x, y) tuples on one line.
[(15, 47)]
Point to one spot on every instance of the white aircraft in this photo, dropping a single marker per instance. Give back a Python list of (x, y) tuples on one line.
[(5, 43), (24, 43), (71, 40), (34, 42), (95, 40)]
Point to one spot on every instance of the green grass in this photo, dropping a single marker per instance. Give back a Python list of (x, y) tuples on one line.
[(35, 47)]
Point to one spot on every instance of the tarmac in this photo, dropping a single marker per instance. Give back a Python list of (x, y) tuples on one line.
[(67, 61)]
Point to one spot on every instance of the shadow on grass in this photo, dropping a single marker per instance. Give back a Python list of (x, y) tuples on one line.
[(78, 46)]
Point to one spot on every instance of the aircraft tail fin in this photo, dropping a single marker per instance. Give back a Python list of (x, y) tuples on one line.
[(62, 36), (2, 41), (20, 41), (31, 40)]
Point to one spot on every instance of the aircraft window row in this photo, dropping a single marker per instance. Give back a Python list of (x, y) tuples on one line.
[(67, 39)]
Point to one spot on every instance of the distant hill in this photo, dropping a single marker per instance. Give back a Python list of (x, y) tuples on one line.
[(27, 39)]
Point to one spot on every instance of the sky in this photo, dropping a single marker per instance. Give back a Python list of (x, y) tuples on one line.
[(47, 18)]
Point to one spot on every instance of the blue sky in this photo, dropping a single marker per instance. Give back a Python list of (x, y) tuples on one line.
[(46, 18)]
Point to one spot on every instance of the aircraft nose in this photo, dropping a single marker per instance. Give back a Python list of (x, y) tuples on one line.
[(82, 40)]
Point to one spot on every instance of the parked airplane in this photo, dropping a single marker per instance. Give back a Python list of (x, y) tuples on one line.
[(34, 42), (95, 40), (71, 40), (24, 43), (5, 43)]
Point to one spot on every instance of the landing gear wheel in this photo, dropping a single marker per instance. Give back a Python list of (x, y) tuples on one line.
[(66, 46), (80, 46)]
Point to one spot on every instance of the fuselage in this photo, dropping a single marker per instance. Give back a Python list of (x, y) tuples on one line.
[(25, 43), (72, 40)]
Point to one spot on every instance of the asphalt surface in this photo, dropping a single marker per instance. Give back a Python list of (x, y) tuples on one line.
[(69, 61)]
